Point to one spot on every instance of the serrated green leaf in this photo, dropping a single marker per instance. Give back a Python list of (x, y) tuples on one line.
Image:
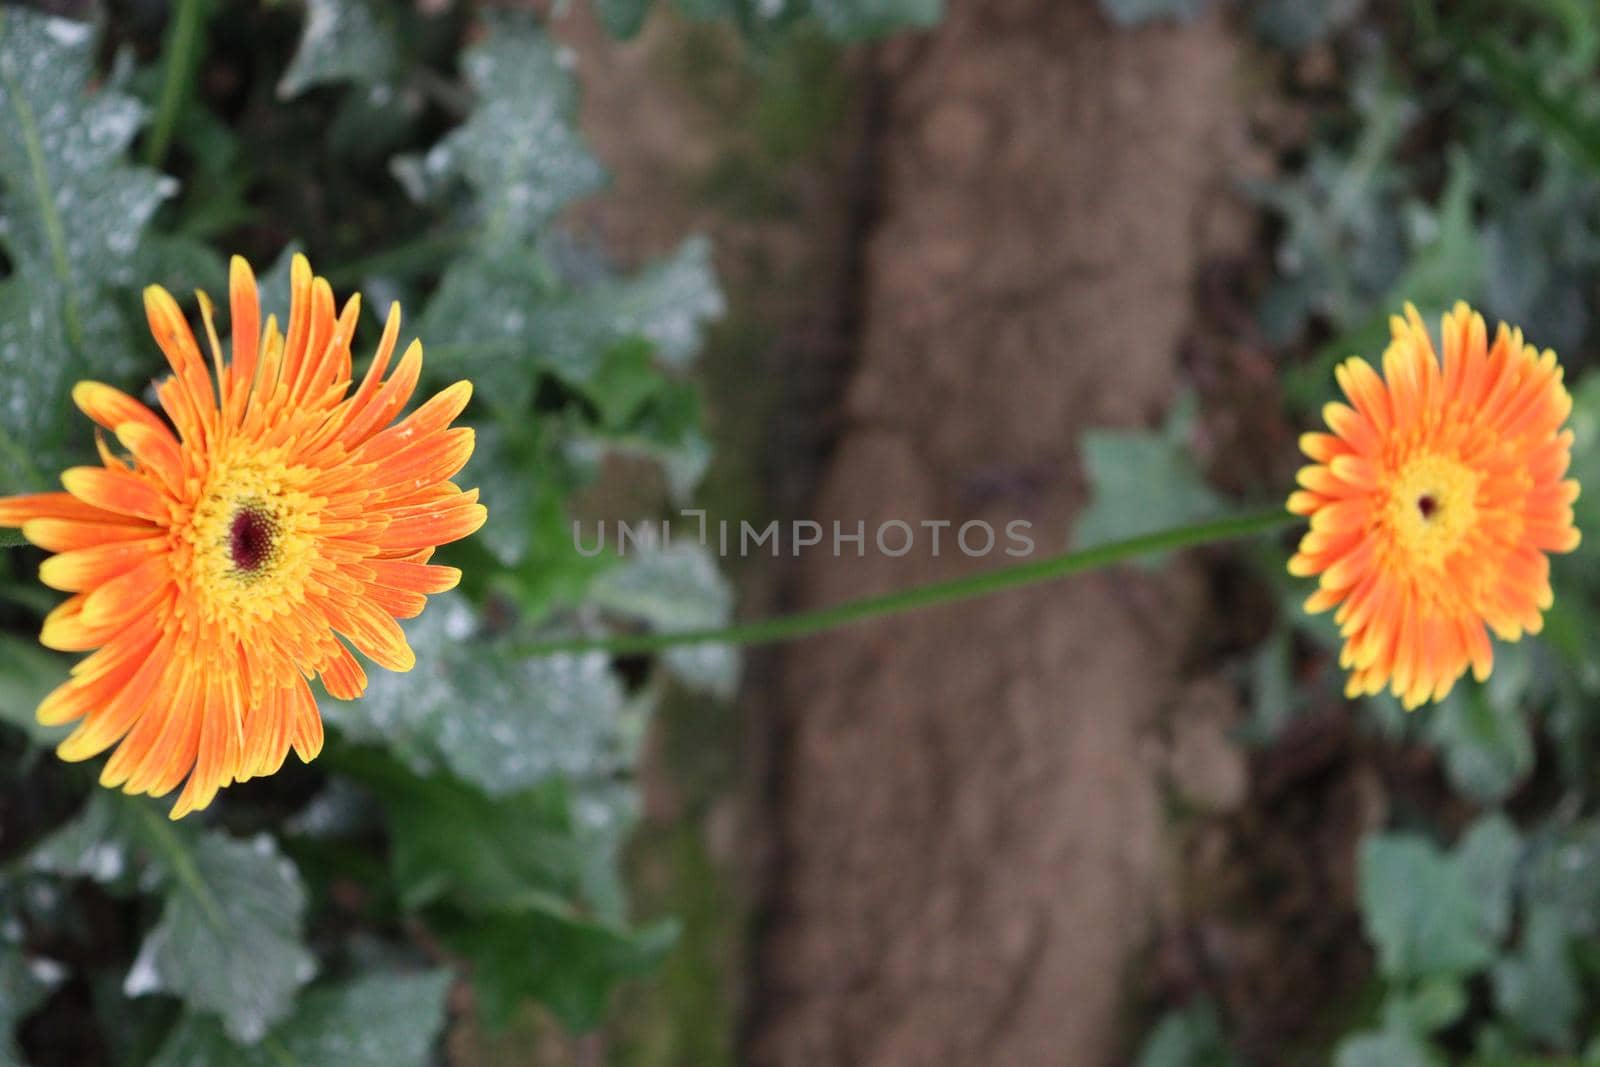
[(505, 723), (1141, 481), (519, 152), (229, 939), (343, 40), (503, 317), (1537, 988), (1419, 910), (371, 1021), (73, 213), (667, 304)]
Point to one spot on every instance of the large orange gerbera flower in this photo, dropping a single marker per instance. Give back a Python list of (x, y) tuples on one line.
[(217, 564), (1434, 501)]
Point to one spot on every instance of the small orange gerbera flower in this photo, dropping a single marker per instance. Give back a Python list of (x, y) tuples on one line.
[(1434, 501), (217, 564)]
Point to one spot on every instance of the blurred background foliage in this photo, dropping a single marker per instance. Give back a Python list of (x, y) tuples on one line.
[(1444, 152), (469, 818), (422, 154)]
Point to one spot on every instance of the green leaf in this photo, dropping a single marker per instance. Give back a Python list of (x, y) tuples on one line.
[(453, 844), (1537, 988), (343, 40), (667, 304), (1523, 85), (1585, 425), (624, 382), (511, 465), (623, 18), (1446, 266), (1136, 12), (228, 941), (677, 588), (371, 1021), (567, 964), (71, 219), (25, 982), (1384, 1050), (28, 673), (1437, 1004), (181, 264), (1142, 481), (1420, 911), (524, 885), (100, 844), (1564, 875), (1487, 857), (1449, 265), (668, 432), (1486, 743), (861, 19), (519, 152), (1191, 1037), (1297, 24), (502, 722), (226, 900), (502, 317)]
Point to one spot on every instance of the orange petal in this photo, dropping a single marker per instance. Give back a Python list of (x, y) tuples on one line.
[(116, 491), (73, 572), (17, 510), (112, 408)]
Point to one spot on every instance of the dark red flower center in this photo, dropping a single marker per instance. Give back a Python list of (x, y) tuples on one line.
[(1427, 506), (250, 537)]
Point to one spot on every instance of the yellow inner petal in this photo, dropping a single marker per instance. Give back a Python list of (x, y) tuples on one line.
[(1431, 508), (251, 539)]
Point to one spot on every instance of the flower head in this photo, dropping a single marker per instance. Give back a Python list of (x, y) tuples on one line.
[(1434, 501), (217, 561)]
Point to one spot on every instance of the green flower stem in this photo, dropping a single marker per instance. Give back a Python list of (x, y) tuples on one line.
[(970, 587), (180, 53), (11, 539)]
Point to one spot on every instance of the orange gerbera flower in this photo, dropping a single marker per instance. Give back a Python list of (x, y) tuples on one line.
[(1434, 501), (215, 566)]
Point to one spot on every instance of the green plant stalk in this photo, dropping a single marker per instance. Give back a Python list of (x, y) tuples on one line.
[(11, 539), (177, 76), (956, 590)]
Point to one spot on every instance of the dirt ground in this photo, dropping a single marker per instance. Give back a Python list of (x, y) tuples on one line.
[(966, 853), (971, 843)]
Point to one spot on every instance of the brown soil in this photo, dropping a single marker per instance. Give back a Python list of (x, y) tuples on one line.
[(967, 803), (964, 814)]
